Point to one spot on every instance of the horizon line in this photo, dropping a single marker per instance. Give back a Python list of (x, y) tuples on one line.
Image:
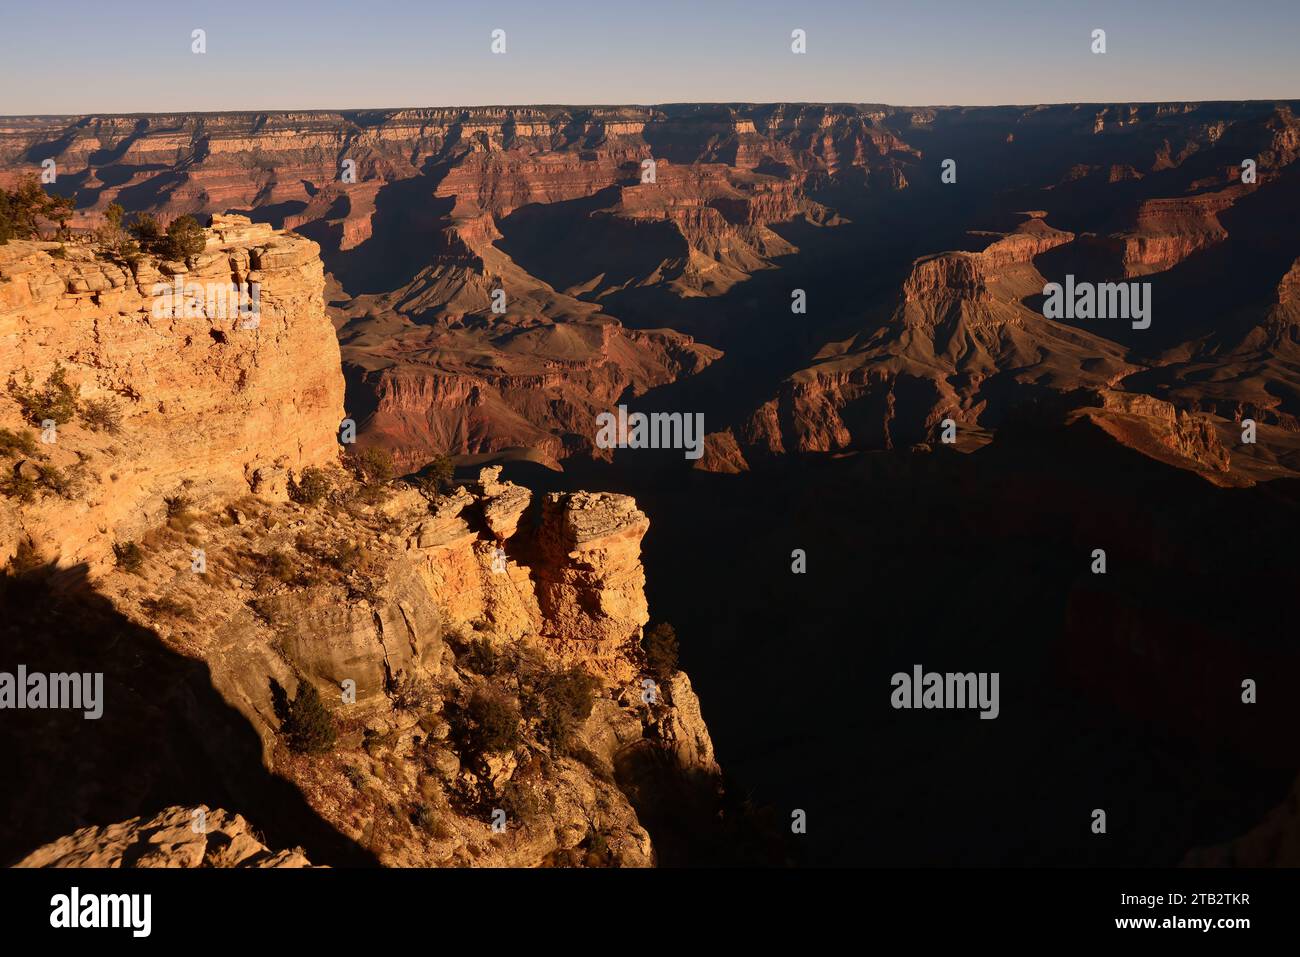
[(677, 103)]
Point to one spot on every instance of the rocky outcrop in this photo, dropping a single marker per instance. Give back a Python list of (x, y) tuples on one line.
[(174, 837), (591, 586), (211, 401), (684, 728), (964, 276), (1280, 330), (1167, 231), (404, 608), (1030, 239), (1162, 431), (504, 503), (722, 454), (946, 276), (957, 323), (722, 215)]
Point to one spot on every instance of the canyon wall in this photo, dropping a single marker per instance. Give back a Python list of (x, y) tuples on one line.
[(177, 529), (210, 403)]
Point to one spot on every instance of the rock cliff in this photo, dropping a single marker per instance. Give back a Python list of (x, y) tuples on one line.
[(205, 400), (476, 653), (942, 347), (500, 276)]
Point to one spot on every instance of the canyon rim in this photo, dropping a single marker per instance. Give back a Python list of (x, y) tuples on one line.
[(751, 475)]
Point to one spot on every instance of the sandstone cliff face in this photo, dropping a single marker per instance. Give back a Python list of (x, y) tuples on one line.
[(405, 609), (965, 276), (1163, 431), (1252, 375), (591, 586), (949, 276), (1167, 231), (426, 598), (209, 406), (1280, 331)]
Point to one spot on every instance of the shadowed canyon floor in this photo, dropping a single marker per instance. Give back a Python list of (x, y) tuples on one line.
[(1120, 691)]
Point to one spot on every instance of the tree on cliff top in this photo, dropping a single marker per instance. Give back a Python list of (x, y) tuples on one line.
[(435, 478), (146, 229), (185, 238), (23, 208), (116, 240)]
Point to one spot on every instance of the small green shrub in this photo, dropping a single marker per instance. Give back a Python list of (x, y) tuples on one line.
[(311, 488), (371, 465), (128, 555), (424, 817), (345, 556), (185, 238), (565, 699), (435, 478), (309, 727), (24, 207), (101, 415), (169, 608), (146, 230), (281, 566), (522, 802), (488, 722), (354, 776), (20, 487), (480, 658), (180, 514), (66, 483), (54, 401)]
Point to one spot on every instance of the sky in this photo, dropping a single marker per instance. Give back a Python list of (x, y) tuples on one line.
[(135, 56)]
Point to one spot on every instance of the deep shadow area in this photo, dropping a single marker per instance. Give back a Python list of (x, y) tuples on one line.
[(694, 818), (166, 737), (594, 244), (407, 232), (1119, 691)]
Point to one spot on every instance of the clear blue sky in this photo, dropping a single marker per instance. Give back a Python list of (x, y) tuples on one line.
[(92, 56)]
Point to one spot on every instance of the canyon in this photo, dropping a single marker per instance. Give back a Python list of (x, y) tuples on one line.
[(423, 214), (485, 284), (240, 593)]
